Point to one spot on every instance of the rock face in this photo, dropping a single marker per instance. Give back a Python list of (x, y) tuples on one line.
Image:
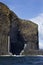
[(4, 29), (21, 33)]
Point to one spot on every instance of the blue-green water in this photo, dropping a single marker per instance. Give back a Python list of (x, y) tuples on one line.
[(24, 60)]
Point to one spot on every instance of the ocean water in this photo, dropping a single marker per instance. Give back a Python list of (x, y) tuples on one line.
[(22, 60)]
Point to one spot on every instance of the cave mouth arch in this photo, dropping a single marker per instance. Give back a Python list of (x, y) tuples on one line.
[(16, 44)]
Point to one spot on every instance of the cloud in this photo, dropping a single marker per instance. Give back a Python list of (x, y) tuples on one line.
[(39, 20), (41, 44)]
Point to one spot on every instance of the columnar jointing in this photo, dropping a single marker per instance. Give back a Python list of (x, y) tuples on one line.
[(16, 33)]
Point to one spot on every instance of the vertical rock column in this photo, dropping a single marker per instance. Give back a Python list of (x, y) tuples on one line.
[(3, 45), (4, 30)]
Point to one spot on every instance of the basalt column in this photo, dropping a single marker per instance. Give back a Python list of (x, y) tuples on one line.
[(4, 29)]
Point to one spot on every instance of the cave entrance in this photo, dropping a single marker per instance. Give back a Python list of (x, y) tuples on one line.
[(15, 43)]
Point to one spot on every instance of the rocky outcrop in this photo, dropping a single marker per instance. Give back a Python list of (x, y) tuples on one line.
[(33, 52), (21, 33)]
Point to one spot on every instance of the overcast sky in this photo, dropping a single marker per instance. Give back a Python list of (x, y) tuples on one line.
[(31, 10)]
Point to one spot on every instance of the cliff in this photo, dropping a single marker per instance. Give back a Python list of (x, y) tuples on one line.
[(23, 33)]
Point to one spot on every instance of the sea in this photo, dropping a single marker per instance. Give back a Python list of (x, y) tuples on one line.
[(21, 60)]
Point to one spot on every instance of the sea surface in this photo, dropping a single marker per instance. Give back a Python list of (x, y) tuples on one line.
[(21, 60)]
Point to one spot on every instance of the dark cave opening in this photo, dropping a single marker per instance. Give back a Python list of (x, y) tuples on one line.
[(16, 39), (16, 43)]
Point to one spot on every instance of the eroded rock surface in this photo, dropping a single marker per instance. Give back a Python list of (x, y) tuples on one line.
[(21, 32)]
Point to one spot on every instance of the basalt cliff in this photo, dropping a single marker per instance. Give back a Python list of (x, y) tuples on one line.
[(17, 36)]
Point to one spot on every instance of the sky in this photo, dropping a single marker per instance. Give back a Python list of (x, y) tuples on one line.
[(29, 10)]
